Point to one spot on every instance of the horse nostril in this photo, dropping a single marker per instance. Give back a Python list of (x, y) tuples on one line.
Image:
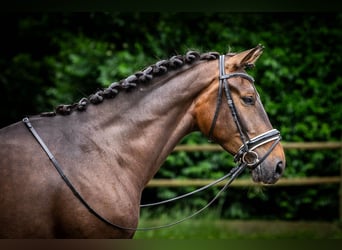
[(279, 168)]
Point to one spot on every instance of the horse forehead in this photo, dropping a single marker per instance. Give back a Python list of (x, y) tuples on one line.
[(243, 86)]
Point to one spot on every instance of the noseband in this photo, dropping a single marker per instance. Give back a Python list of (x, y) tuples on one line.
[(246, 154)]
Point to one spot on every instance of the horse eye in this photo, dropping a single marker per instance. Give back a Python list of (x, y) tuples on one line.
[(249, 100)]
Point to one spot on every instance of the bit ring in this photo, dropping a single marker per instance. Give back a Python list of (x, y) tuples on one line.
[(251, 158)]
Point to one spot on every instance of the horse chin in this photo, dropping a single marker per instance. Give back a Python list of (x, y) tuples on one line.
[(261, 175)]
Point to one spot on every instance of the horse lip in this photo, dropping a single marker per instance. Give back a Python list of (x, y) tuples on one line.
[(256, 175), (270, 180), (260, 176)]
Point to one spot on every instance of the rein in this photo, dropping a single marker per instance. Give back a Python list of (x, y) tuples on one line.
[(233, 174), (245, 156)]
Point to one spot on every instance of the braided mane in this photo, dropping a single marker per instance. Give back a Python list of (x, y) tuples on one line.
[(141, 77)]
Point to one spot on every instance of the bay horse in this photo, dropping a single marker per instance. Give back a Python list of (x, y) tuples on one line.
[(110, 144)]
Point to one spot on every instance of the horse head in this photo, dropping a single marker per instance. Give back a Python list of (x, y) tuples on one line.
[(230, 113)]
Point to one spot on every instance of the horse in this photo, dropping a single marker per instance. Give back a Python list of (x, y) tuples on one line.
[(110, 144)]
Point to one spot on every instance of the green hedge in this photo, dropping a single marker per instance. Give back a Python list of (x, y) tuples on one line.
[(55, 58)]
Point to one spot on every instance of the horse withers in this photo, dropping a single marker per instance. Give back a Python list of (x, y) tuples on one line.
[(112, 143)]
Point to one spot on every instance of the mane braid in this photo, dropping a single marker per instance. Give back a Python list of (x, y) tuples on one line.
[(141, 77)]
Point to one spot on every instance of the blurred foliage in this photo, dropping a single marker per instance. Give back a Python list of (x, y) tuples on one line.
[(54, 58)]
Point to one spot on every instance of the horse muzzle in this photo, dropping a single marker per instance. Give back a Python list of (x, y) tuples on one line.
[(269, 172), (269, 167)]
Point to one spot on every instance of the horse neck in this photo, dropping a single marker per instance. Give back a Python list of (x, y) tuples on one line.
[(140, 128)]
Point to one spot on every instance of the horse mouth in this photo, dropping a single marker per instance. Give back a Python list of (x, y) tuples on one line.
[(261, 174)]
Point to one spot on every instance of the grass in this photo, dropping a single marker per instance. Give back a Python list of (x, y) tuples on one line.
[(210, 227)]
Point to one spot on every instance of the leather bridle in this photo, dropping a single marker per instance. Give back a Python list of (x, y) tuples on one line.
[(245, 154)]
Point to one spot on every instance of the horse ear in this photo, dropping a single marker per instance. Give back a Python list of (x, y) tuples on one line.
[(246, 58)]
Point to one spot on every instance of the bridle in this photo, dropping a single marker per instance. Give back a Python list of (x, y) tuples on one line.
[(245, 154), (245, 157)]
